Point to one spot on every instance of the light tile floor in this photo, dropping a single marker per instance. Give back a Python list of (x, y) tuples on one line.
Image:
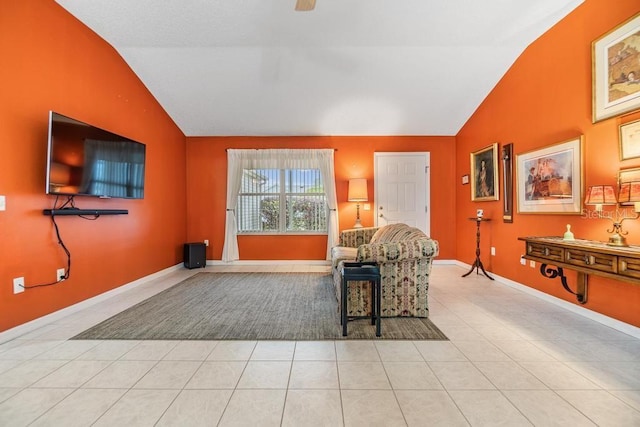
[(512, 359)]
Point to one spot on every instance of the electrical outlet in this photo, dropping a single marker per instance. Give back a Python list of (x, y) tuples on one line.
[(18, 285), (522, 260), (493, 251), (206, 242), (60, 274), (532, 264)]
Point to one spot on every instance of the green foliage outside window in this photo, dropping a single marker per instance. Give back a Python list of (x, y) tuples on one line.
[(303, 214)]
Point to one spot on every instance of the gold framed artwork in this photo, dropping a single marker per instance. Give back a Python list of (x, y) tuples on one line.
[(629, 137), (549, 180), (628, 185), (616, 70), (484, 174)]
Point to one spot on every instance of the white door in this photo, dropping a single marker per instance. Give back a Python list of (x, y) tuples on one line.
[(402, 189)]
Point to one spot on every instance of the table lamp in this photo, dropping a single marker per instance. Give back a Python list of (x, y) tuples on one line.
[(357, 193)]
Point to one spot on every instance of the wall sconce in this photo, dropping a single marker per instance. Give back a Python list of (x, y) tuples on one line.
[(358, 193), (600, 195)]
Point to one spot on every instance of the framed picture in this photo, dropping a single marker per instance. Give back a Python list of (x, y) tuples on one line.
[(630, 140), (507, 183), (628, 185), (484, 174), (549, 180), (616, 71)]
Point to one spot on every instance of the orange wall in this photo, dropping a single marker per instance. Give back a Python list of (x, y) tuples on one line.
[(545, 98), (50, 61), (207, 180)]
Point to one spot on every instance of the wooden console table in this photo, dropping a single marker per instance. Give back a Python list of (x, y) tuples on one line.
[(584, 256)]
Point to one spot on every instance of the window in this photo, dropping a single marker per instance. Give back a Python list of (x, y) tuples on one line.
[(252, 165), (282, 201)]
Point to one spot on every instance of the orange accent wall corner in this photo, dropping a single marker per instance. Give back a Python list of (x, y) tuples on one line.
[(50, 61), (545, 98)]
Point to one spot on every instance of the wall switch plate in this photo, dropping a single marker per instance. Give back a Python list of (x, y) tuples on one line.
[(532, 264), (522, 260), (366, 206), (493, 251), (60, 274), (18, 285), (3, 203), (206, 242)]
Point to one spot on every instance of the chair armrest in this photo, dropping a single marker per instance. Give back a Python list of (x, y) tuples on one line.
[(355, 237), (398, 251)]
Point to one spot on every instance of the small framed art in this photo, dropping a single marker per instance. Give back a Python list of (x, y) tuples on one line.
[(629, 137), (484, 174)]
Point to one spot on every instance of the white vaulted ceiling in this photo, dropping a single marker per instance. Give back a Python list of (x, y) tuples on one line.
[(349, 67)]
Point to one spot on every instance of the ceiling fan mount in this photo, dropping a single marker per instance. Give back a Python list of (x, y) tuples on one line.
[(305, 5)]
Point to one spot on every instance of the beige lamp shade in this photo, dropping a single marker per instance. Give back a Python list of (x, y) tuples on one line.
[(358, 190), (630, 193), (600, 195), (305, 5)]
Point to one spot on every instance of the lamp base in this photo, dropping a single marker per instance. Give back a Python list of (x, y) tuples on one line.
[(358, 224), (617, 240)]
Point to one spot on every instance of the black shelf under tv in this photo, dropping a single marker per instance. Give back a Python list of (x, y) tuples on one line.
[(92, 212)]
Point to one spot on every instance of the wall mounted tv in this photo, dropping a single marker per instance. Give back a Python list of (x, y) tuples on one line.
[(84, 160)]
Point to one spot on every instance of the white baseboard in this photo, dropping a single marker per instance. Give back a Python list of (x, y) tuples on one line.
[(445, 262), (32, 325), (592, 315)]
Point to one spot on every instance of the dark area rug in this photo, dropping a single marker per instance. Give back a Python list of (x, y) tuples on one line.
[(250, 306)]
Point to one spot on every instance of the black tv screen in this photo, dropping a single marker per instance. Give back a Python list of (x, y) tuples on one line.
[(84, 160)]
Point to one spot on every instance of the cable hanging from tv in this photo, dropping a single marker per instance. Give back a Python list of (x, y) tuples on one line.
[(67, 273), (68, 207)]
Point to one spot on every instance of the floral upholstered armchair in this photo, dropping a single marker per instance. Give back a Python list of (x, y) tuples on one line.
[(405, 256)]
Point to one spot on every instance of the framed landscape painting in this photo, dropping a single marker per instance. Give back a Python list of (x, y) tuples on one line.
[(484, 174), (616, 70), (549, 180)]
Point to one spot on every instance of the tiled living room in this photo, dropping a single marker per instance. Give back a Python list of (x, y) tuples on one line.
[(511, 359), (526, 116)]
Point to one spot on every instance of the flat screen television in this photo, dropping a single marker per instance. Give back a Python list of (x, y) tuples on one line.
[(83, 160)]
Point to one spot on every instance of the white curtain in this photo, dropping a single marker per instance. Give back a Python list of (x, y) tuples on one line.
[(235, 160), (325, 164), (238, 160)]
